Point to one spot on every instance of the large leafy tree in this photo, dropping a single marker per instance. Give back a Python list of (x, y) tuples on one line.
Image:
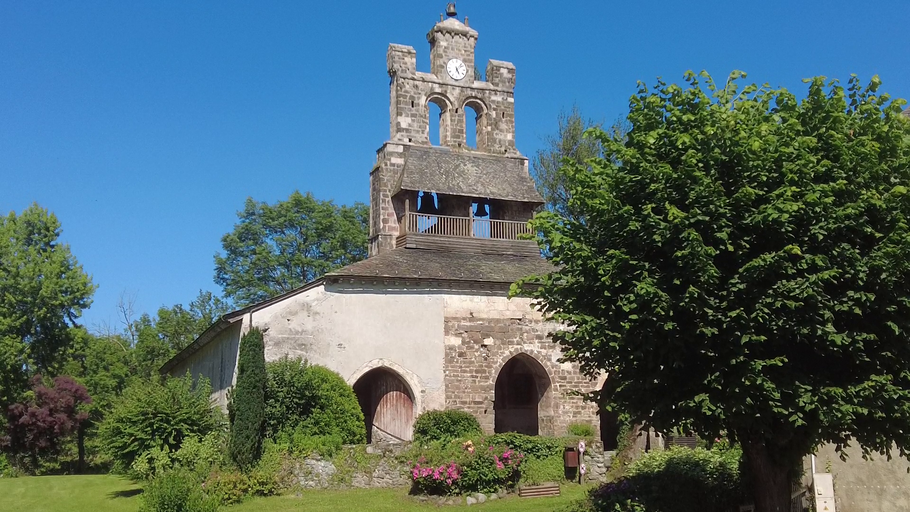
[(277, 248), (743, 269), (43, 291)]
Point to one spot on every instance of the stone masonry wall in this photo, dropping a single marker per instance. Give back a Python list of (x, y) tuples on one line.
[(412, 91), (482, 333)]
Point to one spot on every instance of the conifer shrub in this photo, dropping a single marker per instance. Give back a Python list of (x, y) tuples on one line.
[(247, 408), (445, 426), (156, 414), (305, 401)]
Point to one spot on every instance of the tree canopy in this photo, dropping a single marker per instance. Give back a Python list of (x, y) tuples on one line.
[(157, 338), (277, 248), (568, 144), (743, 269), (43, 291)]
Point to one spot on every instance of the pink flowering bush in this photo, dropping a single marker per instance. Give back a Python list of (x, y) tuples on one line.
[(438, 480), (476, 470)]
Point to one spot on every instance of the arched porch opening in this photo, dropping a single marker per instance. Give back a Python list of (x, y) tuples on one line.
[(522, 396), (387, 404)]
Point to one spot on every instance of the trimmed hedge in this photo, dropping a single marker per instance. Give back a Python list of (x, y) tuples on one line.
[(445, 426), (304, 400)]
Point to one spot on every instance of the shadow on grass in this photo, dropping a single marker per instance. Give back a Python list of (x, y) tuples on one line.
[(129, 493)]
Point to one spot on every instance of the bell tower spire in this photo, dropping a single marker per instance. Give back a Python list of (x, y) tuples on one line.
[(419, 190)]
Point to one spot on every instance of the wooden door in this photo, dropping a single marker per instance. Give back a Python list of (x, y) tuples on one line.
[(387, 406)]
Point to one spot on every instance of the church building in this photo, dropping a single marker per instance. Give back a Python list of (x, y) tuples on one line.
[(425, 322)]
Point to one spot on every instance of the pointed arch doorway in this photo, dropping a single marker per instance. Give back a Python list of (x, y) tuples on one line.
[(523, 396), (387, 404)]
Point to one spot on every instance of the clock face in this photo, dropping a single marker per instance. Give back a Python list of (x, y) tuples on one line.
[(456, 69)]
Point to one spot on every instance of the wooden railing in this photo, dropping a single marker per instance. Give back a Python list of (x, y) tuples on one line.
[(464, 226)]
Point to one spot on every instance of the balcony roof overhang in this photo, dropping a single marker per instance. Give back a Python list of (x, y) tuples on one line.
[(464, 173)]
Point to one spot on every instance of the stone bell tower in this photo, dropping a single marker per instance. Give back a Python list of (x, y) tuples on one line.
[(451, 196)]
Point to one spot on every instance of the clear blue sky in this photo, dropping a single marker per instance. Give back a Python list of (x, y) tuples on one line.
[(145, 125)]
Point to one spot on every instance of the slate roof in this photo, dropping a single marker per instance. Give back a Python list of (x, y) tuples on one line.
[(442, 170), (907, 112), (453, 266)]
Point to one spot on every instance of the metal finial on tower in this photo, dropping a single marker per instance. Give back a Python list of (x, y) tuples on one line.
[(450, 10)]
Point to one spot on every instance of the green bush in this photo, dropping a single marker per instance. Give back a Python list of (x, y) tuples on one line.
[(676, 480), (248, 402), (543, 455), (229, 488), (301, 444), (445, 426), (154, 414), (536, 471), (304, 400), (581, 430), (198, 456), (537, 447), (265, 479), (202, 455), (271, 473), (176, 491), (6, 469)]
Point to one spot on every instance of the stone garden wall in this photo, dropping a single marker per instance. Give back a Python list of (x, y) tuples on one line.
[(363, 466), (378, 466)]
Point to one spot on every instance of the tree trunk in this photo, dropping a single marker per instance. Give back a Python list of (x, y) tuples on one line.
[(80, 441), (770, 477)]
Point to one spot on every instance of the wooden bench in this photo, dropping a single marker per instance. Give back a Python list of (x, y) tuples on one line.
[(537, 491)]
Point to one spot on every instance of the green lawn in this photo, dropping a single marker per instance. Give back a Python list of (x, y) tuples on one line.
[(102, 493), (89, 493)]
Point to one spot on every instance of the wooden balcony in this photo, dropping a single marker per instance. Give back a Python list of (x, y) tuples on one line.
[(486, 236)]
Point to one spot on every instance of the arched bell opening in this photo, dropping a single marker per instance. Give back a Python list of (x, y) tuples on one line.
[(439, 127), (387, 404), (475, 122), (522, 396)]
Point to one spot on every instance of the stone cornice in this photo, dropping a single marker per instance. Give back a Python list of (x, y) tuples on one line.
[(451, 26)]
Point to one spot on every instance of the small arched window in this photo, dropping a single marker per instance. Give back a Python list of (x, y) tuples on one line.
[(438, 111)]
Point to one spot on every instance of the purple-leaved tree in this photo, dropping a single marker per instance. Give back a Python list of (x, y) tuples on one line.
[(38, 427)]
